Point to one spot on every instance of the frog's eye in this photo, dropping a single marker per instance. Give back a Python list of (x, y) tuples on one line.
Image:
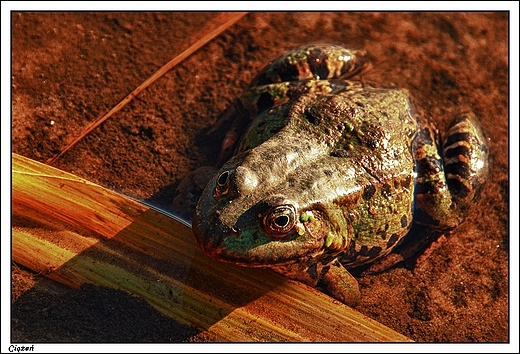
[(279, 221), (223, 179), (222, 185)]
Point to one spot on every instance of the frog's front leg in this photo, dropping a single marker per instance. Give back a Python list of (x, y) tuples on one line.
[(335, 279), (340, 284), (449, 175)]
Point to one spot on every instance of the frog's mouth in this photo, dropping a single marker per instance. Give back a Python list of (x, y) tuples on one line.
[(244, 249), (247, 244), (259, 258)]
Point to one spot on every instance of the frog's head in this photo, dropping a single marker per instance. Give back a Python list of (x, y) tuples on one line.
[(240, 220)]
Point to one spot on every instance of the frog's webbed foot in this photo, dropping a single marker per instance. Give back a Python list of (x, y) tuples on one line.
[(449, 175)]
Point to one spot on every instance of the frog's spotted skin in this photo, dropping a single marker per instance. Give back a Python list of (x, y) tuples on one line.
[(331, 173)]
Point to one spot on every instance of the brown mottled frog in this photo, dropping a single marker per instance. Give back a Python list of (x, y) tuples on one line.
[(332, 172)]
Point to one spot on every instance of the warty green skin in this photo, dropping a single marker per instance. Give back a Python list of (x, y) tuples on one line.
[(329, 173)]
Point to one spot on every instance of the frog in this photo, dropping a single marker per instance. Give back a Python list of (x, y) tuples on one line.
[(331, 172)]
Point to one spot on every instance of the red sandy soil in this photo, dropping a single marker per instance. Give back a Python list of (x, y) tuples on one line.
[(70, 68)]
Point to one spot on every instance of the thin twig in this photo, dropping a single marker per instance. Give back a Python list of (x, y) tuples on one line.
[(214, 28)]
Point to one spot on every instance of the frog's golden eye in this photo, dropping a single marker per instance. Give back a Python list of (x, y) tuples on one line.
[(279, 221), (222, 185)]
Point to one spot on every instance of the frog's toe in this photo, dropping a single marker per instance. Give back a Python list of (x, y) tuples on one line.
[(340, 284)]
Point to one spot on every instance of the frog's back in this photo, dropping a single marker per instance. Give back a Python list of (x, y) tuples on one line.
[(362, 176), (376, 201)]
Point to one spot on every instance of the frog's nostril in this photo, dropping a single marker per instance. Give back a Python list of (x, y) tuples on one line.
[(231, 230)]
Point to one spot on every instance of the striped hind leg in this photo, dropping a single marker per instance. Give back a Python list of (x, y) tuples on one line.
[(449, 175)]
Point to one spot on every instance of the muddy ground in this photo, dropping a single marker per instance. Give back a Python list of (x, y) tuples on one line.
[(70, 68)]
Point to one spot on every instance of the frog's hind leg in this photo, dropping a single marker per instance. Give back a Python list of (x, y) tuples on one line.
[(465, 159), (449, 178), (449, 175), (314, 62)]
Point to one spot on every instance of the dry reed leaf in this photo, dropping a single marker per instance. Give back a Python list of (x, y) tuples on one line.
[(76, 232)]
